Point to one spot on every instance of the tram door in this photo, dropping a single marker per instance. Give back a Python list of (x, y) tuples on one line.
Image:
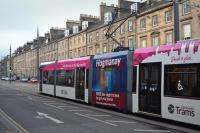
[(80, 83), (150, 88)]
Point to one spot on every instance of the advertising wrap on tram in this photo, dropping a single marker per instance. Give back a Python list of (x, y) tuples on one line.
[(109, 84)]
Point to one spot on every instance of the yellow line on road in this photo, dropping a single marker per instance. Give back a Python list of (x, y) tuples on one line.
[(12, 122)]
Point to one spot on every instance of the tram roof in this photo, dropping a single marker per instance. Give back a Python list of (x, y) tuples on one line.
[(46, 63), (110, 55)]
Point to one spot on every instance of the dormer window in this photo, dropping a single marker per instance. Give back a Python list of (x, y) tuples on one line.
[(66, 32), (47, 40), (75, 29), (107, 17), (134, 8), (84, 24)]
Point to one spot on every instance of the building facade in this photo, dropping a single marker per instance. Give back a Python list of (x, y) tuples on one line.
[(3, 66), (150, 23)]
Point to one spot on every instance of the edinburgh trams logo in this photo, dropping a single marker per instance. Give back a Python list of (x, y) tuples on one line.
[(171, 108), (181, 110)]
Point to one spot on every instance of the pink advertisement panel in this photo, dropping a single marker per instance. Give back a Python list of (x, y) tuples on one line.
[(141, 54), (68, 64)]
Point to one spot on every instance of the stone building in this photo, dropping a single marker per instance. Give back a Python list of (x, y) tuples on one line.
[(3, 66), (189, 18), (136, 25), (155, 23)]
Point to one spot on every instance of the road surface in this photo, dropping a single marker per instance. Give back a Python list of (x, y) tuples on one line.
[(23, 110)]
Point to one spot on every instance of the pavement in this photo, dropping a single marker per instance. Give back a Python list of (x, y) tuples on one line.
[(34, 113)]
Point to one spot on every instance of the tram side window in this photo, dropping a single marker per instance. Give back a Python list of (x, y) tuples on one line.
[(45, 77), (65, 78), (61, 78), (48, 77), (182, 80), (144, 78), (70, 78), (134, 79)]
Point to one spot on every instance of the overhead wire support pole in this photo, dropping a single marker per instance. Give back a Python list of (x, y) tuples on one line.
[(38, 65), (10, 66), (108, 33), (115, 40), (55, 68), (121, 24), (176, 20), (111, 22)]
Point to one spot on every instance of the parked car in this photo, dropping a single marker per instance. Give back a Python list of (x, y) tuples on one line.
[(7, 78), (33, 80), (24, 79), (3, 78)]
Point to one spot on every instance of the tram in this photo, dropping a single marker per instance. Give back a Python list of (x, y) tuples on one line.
[(66, 78), (168, 81), (161, 81)]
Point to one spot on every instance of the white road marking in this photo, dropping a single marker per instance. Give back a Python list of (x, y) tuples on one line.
[(159, 131), (19, 94), (96, 119), (53, 106), (39, 117), (32, 99), (43, 115), (56, 103), (96, 115), (66, 106), (120, 121), (79, 110), (45, 100), (50, 102), (11, 94)]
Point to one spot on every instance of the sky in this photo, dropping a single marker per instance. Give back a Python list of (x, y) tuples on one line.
[(19, 19)]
